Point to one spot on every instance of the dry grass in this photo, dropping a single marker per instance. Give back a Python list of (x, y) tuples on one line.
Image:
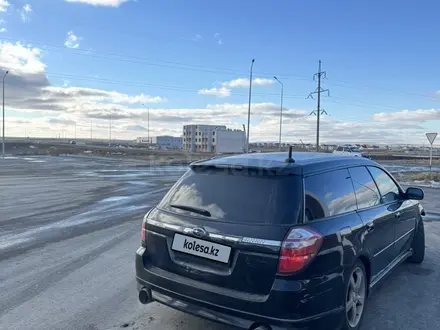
[(418, 176)]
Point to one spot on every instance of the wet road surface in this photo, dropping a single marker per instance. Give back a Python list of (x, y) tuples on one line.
[(69, 228)]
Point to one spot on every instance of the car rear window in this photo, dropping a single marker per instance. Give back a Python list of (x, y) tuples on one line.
[(238, 196)]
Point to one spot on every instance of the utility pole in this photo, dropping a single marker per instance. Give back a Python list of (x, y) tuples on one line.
[(249, 107), (318, 90), (91, 131), (75, 131), (281, 109), (3, 137), (244, 131), (110, 129), (148, 126), (148, 123)]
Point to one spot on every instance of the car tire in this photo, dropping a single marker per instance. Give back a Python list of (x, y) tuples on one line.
[(418, 245), (355, 297)]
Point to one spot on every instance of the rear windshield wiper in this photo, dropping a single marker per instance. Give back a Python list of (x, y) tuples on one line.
[(206, 213)]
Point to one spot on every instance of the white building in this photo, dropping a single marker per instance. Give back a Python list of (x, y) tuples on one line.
[(163, 142), (142, 140), (205, 138), (168, 142), (230, 141)]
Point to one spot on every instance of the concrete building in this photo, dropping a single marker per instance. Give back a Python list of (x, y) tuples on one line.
[(163, 142), (142, 140), (205, 138), (168, 142), (230, 141)]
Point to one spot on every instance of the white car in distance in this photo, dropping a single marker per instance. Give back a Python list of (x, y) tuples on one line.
[(348, 151)]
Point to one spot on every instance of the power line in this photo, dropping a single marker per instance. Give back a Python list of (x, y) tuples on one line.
[(358, 103), (318, 91), (143, 84), (182, 89), (201, 68), (346, 84), (147, 61)]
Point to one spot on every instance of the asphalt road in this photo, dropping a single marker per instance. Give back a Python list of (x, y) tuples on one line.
[(69, 228)]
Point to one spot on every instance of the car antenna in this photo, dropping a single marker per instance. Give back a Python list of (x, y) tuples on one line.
[(290, 159)]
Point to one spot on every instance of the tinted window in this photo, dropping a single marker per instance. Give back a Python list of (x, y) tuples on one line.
[(238, 196), (339, 149), (388, 189), (329, 194), (364, 187)]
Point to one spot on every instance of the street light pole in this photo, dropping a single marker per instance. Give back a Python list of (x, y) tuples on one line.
[(249, 107), (3, 136), (148, 123), (281, 109)]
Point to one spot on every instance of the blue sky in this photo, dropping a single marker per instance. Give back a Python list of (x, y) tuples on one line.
[(380, 58)]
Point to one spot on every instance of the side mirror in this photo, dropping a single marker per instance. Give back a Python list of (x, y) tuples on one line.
[(414, 193)]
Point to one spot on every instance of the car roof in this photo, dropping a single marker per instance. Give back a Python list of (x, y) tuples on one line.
[(304, 162)]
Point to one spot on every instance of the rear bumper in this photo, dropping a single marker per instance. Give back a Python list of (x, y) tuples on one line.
[(238, 318), (173, 291)]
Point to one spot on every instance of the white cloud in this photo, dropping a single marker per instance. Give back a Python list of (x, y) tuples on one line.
[(218, 38), (72, 40), (25, 12), (3, 29), (225, 87), (96, 95), (29, 90), (4, 4), (197, 37), (20, 59), (297, 124), (244, 82), (60, 121), (216, 91), (419, 115), (106, 3), (136, 128)]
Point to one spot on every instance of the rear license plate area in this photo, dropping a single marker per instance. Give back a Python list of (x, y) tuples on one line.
[(201, 248)]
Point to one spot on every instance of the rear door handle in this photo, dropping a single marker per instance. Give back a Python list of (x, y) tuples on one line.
[(397, 214), (370, 226)]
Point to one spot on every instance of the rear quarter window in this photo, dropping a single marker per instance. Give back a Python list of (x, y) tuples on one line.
[(329, 194), (238, 197), (367, 194)]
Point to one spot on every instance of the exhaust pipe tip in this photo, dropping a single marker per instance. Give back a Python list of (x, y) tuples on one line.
[(145, 296)]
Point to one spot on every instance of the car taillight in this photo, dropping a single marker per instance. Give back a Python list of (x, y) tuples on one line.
[(144, 232), (144, 228), (299, 247)]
